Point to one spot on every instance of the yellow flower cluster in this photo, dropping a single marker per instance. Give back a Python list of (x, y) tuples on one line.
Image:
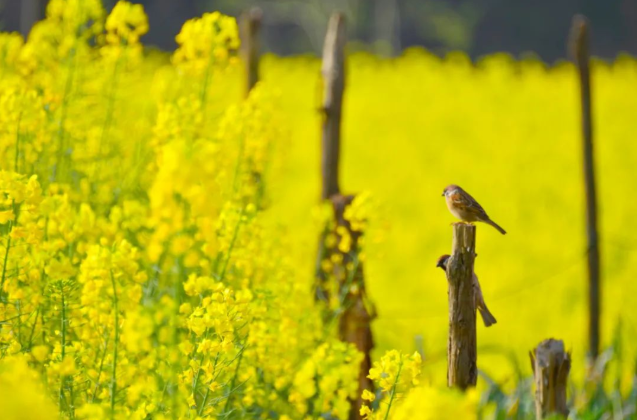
[(64, 35), (395, 374), (325, 380), (124, 26), (126, 23), (142, 275), (206, 41)]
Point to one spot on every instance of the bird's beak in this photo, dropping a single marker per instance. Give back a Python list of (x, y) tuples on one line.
[(443, 194), (439, 264)]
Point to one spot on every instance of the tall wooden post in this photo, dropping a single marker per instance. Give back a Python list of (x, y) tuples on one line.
[(580, 52), (333, 71), (551, 365), (343, 274), (333, 78), (249, 27), (462, 369)]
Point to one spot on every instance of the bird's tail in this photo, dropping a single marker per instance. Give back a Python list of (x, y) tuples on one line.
[(487, 316), (495, 225)]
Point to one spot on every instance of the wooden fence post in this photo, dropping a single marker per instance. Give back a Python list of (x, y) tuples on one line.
[(346, 271), (462, 369), (580, 52), (333, 70), (333, 77), (551, 365), (249, 27), (354, 323)]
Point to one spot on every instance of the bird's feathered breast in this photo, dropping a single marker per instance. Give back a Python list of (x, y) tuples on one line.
[(464, 202)]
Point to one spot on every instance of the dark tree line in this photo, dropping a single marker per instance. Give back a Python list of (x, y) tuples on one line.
[(387, 26)]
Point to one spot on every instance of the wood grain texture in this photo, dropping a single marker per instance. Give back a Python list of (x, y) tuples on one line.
[(333, 71), (551, 366), (249, 27), (462, 369)]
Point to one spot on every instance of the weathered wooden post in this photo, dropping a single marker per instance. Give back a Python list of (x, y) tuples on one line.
[(580, 52), (551, 365), (462, 369), (333, 71), (346, 271), (249, 27), (333, 77), (354, 323)]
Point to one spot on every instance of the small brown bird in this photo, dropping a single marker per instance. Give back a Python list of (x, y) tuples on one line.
[(487, 316), (466, 208)]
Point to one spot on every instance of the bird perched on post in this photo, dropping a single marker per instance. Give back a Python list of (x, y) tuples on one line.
[(466, 208), (487, 316)]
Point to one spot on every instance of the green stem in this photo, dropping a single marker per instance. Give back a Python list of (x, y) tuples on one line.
[(237, 169), (6, 260), (6, 254), (17, 143), (234, 377), (99, 372), (63, 322), (38, 311), (72, 398), (393, 390), (204, 87), (113, 377), (62, 397), (235, 234), (198, 374), (110, 109), (205, 398), (35, 323), (19, 320), (64, 110)]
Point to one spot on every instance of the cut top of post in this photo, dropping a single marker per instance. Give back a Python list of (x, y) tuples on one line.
[(546, 350), (464, 238), (551, 365), (333, 50), (250, 23), (579, 38)]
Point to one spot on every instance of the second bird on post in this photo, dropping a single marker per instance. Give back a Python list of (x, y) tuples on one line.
[(486, 315)]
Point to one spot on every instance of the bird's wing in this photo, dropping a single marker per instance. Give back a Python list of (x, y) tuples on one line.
[(476, 286), (463, 200)]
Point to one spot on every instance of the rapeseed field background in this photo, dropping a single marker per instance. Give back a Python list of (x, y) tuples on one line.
[(159, 231), (508, 132)]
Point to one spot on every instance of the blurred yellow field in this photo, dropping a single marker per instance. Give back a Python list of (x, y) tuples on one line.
[(158, 231), (509, 133)]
